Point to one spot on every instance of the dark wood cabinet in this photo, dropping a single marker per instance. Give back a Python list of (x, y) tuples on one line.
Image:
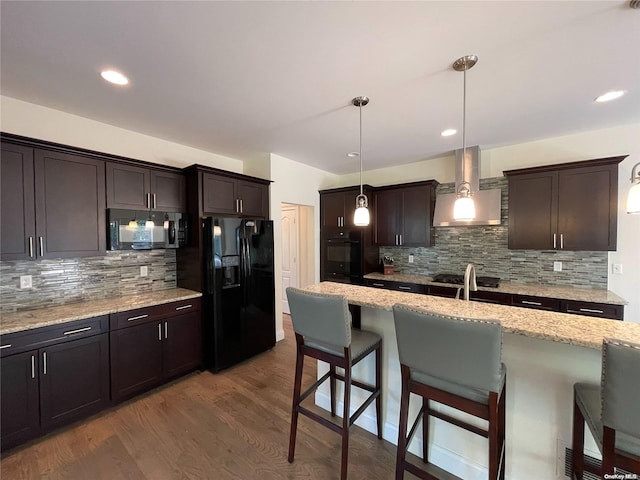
[(338, 206), (17, 207), (149, 346), (52, 376), (222, 194), (54, 202), (404, 213), (141, 188), (400, 286), (570, 206)]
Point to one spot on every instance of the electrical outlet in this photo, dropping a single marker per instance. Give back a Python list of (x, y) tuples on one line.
[(144, 271), (617, 268), (26, 281), (411, 258), (557, 266)]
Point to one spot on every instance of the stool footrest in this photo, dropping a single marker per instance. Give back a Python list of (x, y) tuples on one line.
[(430, 471), (459, 423)]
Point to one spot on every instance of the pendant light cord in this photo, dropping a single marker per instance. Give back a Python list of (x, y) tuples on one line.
[(360, 108), (464, 124)]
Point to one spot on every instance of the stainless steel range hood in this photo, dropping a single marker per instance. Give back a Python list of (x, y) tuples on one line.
[(487, 202)]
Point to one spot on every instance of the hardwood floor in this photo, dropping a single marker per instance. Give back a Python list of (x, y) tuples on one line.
[(233, 425)]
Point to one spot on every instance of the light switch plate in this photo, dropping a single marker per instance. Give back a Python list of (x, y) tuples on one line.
[(144, 271), (557, 266), (26, 281)]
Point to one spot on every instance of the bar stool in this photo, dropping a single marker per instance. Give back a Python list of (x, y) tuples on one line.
[(455, 362), (322, 324), (612, 412)]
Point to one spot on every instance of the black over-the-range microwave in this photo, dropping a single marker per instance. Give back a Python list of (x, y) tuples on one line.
[(146, 229)]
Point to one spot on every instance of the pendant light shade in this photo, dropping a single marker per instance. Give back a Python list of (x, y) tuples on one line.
[(464, 208), (361, 216), (633, 199)]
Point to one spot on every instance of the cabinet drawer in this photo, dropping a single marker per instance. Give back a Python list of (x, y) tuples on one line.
[(153, 313), (485, 296), (377, 283), (42, 337), (440, 291), (540, 303), (402, 287), (602, 310)]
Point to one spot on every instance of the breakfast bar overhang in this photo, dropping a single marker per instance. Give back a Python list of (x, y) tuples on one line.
[(545, 354)]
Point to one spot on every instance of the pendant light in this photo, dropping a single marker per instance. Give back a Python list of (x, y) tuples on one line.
[(464, 208), (633, 199), (361, 216)]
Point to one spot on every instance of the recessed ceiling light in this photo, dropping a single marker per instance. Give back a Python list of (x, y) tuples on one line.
[(353, 154), (612, 95), (114, 77), (448, 132)]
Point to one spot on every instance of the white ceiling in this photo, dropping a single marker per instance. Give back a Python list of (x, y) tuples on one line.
[(246, 78)]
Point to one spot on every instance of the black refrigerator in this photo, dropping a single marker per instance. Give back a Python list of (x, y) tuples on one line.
[(239, 303)]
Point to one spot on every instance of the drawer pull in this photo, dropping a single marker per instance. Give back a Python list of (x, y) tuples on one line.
[(378, 284), (71, 332), (33, 366), (402, 287), (184, 306), (591, 310), (139, 317), (8, 345), (527, 302), (44, 363), (160, 332)]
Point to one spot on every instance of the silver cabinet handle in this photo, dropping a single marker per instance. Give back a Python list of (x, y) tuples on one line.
[(378, 284), (41, 246), (562, 240), (33, 366), (148, 200), (159, 332), (30, 247), (8, 345), (154, 201), (71, 332), (184, 306), (400, 236), (241, 206), (166, 331), (237, 206), (402, 287), (136, 318), (591, 310), (44, 363), (527, 302), (554, 240)]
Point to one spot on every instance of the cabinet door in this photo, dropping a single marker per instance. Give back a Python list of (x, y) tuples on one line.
[(388, 208), (332, 209), (219, 194), (128, 187), (19, 401), (17, 212), (533, 211), (254, 198), (136, 360), (70, 205), (169, 191), (74, 380), (588, 208), (416, 217), (182, 344)]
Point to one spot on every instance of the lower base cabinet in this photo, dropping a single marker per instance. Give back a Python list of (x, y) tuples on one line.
[(55, 385)]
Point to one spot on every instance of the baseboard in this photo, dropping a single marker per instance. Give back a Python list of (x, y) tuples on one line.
[(440, 456)]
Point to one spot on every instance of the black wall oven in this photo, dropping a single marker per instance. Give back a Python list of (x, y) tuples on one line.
[(341, 257)]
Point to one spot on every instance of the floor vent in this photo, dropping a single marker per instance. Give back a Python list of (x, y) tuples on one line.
[(588, 460)]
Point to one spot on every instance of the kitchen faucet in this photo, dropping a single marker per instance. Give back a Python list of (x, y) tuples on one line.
[(469, 281)]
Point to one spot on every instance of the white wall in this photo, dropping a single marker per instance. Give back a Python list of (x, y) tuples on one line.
[(295, 183), (31, 120)]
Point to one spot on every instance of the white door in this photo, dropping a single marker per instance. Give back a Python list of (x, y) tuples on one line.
[(289, 251)]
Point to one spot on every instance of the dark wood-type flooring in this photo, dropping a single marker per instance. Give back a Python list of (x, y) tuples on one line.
[(233, 425)]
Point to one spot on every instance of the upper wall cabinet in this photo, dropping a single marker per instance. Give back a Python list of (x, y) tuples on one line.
[(223, 194), (404, 214), (572, 206), (54, 203), (140, 188), (338, 206)]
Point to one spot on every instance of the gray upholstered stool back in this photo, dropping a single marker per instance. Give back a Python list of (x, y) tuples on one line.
[(621, 386), (466, 352), (321, 317)]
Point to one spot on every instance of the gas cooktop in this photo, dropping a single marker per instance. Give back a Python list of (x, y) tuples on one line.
[(493, 282)]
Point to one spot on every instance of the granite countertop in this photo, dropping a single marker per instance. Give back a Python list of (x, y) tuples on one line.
[(597, 295), (29, 319), (558, 327)]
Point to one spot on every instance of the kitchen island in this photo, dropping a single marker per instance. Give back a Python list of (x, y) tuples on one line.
[(545, 354)]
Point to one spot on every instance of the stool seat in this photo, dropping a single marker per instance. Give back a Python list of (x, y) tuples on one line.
[(470, 393), (362, 343)]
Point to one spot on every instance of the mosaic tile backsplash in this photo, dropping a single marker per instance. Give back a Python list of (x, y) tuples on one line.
[(60, 281), (486, 247)]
